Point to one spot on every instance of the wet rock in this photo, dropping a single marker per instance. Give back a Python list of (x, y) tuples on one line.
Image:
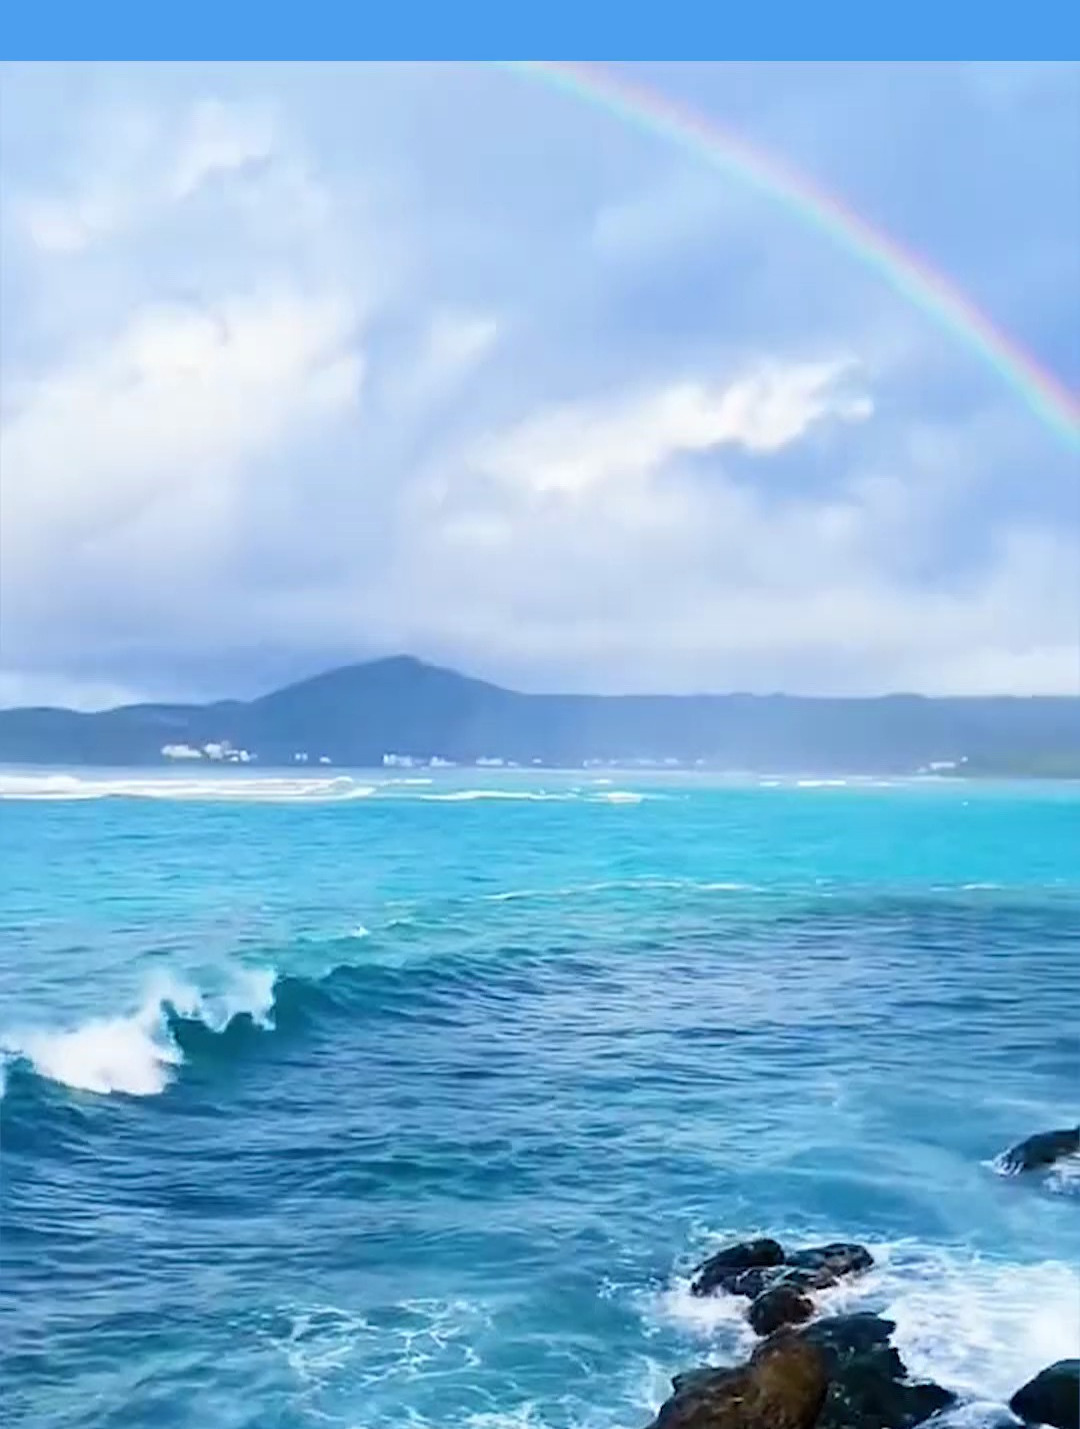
[(869, 1386), (694, 1378), (752, 1267), (782, 1305), (835, 1261), (751, 1283), (1052, 1397), (723, 1269), (869, 1395), (782, 1387), (805, 1277), (837, 1373), (843, 1336), (1041, 1150)]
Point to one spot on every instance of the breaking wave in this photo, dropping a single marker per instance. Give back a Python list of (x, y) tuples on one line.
[(233, 788), (137, 1052), (541, 796)]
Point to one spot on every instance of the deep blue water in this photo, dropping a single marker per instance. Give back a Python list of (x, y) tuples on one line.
[(334, 1108)]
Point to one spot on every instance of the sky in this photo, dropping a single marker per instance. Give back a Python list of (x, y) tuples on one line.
[(308, 364)]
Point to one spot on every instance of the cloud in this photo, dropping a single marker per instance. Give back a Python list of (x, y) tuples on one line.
[(452, 344), (216, 139), (578, 448), (137, 465), (136, 163), (304, 366)]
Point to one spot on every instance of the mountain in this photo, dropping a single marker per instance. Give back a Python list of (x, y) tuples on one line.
[(355, 715)]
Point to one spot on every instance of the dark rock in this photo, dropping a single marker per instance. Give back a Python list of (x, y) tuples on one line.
[(782, 1387), (780, 1306), (1041, 1150), (869, 1387), (723, 1269), (837, 1373), (1052, 1397), (694, 1378), (868, 1394), (752, 1267), (836, 1260), (804, 1277), (842, 1336), (751, 1283)]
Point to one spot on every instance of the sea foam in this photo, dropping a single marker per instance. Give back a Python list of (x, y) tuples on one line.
[(225, 787)]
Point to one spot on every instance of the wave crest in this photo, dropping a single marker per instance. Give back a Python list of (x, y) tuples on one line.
[(137, 1053)]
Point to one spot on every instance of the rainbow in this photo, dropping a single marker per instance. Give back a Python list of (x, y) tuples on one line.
[(911, 276)]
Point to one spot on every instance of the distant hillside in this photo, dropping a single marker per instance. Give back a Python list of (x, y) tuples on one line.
[(357, 715)]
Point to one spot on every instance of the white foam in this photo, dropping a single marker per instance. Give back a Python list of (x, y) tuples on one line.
[(115, 1054), (398, 1342), (222, 787), (406, 1349), (716, 1318), (359, 931), (466, 796), (320, 1341), (1064, 1176), (525, 1416), (543, 796), (980, 1327), (620, 885), (1061, 1177), (135, 1053)]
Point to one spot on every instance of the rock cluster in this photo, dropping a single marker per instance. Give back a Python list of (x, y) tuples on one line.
[(837, 1372), (778, 1283)]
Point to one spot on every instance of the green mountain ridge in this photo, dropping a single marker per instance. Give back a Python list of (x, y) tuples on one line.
[(356, 715)]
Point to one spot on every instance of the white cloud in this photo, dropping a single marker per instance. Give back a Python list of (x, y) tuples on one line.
[(178, 401), (67, 225), (218, 138), (456, 341), (452, 345), (600, 561), (578, 448), (137, 163)]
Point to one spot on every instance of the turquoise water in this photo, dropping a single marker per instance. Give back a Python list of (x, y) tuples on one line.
[(365, 1103)]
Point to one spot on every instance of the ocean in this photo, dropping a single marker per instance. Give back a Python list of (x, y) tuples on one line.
[(364, 1101)]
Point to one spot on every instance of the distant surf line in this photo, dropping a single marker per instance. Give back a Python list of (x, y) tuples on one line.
[(909, 274)]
